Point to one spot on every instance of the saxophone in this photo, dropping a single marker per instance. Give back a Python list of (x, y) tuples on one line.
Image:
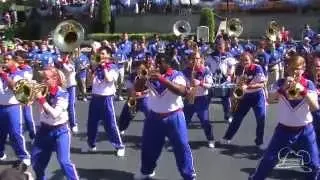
[(238, 93), (139, 85)]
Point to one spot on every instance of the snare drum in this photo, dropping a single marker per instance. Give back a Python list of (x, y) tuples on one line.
[(222, 90)]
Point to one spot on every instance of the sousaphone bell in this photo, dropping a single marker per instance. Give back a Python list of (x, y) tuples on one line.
[(68, 35), (182, 28), (234, 27), (273, 30)]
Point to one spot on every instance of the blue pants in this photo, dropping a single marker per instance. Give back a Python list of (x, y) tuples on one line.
[(101, 108), (201, 107), (11, 124), (49, 139), (226, 104), (72, 106), (256, 101), (28, 117), (156, 128), (126, 116), (285, 137)]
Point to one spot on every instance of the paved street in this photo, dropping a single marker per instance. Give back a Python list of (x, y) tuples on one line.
[(233, 162)]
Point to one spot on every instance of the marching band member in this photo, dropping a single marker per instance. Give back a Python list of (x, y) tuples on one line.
[(201, 78), (250, 47), (316, 80), (214, 61), (263, 59), (27, 109), (297, 100), (274, 64), (82, 63), (250, 78), (103, 91), (138, 93), (54, 133), (165, 119), (125, 47), (11, 113), (308, 32), (121, 60), (71, 85), (236, 48), (316, 43), (305, 48)]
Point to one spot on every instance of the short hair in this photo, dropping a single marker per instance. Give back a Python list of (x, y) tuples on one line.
[(162, 57), (21, 54)]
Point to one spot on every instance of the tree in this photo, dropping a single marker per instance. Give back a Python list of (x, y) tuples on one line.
[(207, 19), (104, 14)]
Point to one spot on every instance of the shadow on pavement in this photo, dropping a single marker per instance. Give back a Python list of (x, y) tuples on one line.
[(283, 174), (241, 152)]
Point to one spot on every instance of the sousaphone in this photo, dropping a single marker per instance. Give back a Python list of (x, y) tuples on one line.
[(68, 35), (182, 28)]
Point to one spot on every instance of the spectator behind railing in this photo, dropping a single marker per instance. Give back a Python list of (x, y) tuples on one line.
[(62, 8)]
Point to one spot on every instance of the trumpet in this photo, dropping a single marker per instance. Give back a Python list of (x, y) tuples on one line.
[(294, 90), (143, 72)]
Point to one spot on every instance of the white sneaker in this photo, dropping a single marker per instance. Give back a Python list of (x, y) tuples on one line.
[(230, 119), (169, 148), (27, 162), (4, 157), (92, 149), (211, 144), (121, 152), (140, 176), (122, 132), (84, 99), (75, 129), (225, 141), (120, 98)]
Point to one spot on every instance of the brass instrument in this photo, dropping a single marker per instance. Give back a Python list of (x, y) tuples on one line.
[(143, 72), (238, 93), (132, 104), (68, 35), (182, 28), (139, 85), (294, 89), (234, 27), (193, 89), (273, 31), (26, 91)]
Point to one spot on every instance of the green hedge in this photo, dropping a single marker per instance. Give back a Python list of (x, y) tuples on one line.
[(207, 19), (138, 36)]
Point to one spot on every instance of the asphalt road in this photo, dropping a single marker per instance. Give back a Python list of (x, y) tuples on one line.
[(232, 162)]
